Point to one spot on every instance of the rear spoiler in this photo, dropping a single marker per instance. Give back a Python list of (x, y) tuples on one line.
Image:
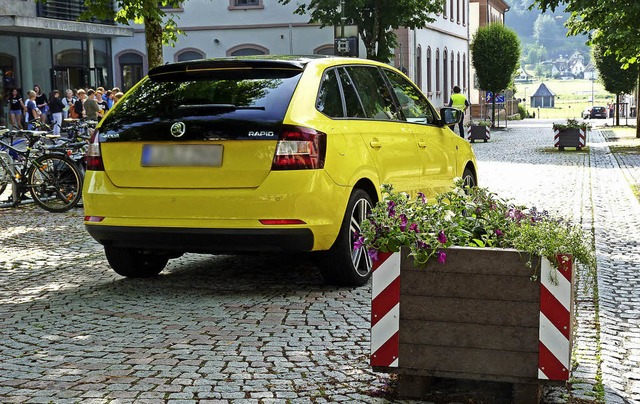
[(223, 68)]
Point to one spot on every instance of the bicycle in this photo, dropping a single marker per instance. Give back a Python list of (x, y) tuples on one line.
[(53, 179)]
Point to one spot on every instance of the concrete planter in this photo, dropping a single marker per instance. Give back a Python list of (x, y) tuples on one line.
[(571, 137), (480, 316), (478, 132)]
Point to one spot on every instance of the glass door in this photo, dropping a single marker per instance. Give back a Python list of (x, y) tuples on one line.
[(68, 77)]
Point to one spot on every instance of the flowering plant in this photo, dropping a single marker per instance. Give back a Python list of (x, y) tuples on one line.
[(477, 123), (467, 216), (571, 124)]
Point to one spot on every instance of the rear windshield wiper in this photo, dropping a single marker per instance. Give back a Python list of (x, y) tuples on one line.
[(227, 107)]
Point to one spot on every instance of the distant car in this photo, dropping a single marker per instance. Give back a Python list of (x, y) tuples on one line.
[(263, 154), (595, 112)]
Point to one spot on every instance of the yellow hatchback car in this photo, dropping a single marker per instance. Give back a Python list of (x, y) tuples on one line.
[(262, 154)]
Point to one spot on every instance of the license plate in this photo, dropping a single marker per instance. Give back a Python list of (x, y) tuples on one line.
[(181, 155)]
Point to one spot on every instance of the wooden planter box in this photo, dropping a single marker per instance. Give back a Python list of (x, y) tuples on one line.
[(478, 132), (480, 316), (572, 137)]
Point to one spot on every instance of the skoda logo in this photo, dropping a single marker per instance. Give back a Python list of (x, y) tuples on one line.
[(178, 129)]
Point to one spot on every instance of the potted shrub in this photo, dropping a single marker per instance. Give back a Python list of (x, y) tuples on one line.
[(478, 130), (570, 134), (472, 287)]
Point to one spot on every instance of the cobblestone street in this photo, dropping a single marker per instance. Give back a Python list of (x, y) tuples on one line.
[(264, 328)]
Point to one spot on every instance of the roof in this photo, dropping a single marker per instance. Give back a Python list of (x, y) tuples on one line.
[(543, 91)]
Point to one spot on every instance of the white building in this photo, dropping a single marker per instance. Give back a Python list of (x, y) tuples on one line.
[(218, 28), (436, 57)]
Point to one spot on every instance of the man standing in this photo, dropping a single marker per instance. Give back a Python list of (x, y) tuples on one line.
[(90, 105), (458, 100)]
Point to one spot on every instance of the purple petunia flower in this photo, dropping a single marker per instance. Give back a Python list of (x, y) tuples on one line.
[(422, 197), (442, 238), (442, 257), (499, 233), (391, 208), (358, 243), (373, 254), (403, 222), (414, 227)]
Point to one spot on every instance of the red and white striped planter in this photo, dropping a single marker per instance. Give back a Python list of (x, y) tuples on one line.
[(568, 139), (555, 316)]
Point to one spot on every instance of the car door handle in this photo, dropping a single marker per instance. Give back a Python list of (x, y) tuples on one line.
[(422, 144), (375, 144)]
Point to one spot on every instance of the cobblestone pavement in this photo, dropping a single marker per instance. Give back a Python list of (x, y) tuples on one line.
[(264, 328)]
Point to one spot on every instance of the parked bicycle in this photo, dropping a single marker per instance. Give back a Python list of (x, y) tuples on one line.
[(52, 179)]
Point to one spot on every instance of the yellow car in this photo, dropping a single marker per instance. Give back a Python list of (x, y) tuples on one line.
[(262, 154)]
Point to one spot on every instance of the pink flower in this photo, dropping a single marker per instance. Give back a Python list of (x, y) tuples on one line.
[(499, 233), (442, 238), (358, 243), (442, 257), (422, 197), (373, 254), (391, 208), (414, 227)]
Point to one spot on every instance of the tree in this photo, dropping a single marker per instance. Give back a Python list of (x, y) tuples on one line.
[(495, 54), (159, 28), (616, 79), (376, 19), (612, 24)]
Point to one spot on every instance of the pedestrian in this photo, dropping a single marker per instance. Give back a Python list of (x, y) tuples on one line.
[(90, 105), (33, 112), (16, 108), (56, 107), (68, 101), (117, 96), (78, 107), (109, 96), (458, 100), (42, 103), (102, 104)]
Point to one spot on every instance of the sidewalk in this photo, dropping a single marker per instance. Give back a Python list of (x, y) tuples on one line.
[(588, 187)]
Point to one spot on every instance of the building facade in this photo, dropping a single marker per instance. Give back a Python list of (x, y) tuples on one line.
[(436, 57), (44, 44), (235, 28)]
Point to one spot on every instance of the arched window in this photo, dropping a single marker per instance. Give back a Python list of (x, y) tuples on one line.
[(453, 71), (458, 82), (458, 12), (429, 87), (445, 75), (247, 50), (444, 9), (437, 71), (452, 4), (324, 50), (464, 71), (131, 69), (189, 54)]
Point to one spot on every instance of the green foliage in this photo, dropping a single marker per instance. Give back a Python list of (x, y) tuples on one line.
[(376, 19), (571, 124), (522, 111), (616, 79), (468, 217), (477, 123)]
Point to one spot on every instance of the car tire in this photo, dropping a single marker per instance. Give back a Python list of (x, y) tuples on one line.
[(343, 265), (469, 179), (134, 263)]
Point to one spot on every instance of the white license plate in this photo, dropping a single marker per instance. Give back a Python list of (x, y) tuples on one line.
[(190, 155)]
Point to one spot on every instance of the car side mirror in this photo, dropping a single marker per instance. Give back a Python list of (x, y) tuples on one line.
[(450, 116)]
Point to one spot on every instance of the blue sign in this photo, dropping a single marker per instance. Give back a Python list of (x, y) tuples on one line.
[(499, 97)]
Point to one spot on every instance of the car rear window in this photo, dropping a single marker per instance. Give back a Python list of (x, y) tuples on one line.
[(211, 95)]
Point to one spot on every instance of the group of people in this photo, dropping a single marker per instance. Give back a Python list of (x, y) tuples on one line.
[(89, 104)]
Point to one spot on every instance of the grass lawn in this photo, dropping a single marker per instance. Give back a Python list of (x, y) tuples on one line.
[(572, 97)]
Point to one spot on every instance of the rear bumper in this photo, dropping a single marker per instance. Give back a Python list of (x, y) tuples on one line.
[(200, 240)]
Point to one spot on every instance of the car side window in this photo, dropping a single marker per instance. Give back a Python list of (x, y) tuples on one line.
[(374, 93), (415, 107), (351, 99), (329, 100)]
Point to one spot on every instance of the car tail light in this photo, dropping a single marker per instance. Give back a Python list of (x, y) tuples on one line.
[(94, 156), (95, 219), (300, 149)]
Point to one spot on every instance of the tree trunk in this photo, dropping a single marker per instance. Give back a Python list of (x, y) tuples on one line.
[(153, 36)]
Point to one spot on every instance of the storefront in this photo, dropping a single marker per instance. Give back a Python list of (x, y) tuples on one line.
[(54, 53)]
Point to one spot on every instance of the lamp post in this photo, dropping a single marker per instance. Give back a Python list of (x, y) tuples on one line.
[(592, 92)]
